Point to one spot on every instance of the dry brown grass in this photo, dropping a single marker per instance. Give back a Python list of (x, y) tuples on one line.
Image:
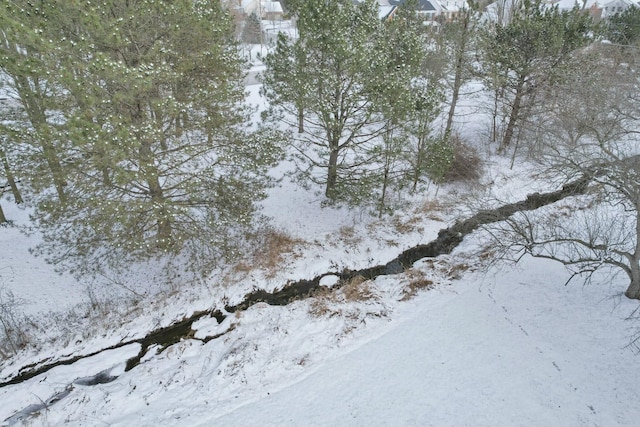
[(357, 289), (328, 302), (450, 268), (434, 210), (407, 226), (347, 236), (320, 307), (417, 281), (270, 251), (456, 271)]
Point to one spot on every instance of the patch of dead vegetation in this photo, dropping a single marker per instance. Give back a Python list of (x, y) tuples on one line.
[(450, 268), (435, 272), (340, 302), (406, 226), (433, 209), (358, 289), (349, 237), (467, 166), (270, 251), (417, 281)]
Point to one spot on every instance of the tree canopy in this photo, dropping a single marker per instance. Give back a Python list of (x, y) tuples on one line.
[(150, 121)]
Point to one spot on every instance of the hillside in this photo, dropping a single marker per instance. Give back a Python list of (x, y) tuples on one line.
[(463, 338)]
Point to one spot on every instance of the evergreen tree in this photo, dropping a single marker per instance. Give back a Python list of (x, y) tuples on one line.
[(346, 85), (459, 39), (158, 161), (529, 53), (8, 165), (252, 29), (426, 153), (23, 51), (319, 83), (398, 73), (624, 28)]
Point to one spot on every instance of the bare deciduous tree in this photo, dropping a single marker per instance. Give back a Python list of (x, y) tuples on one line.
[(593, 134)]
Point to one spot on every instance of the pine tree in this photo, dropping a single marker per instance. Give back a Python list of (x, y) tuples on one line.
[(459, 39), (158, 159), (252, 29), (23, 48), (426, 152), (529, 53), (624, 28), (398, 71), (319, 84)]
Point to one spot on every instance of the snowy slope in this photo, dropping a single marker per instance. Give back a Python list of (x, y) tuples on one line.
[(511, 347), (517, 349), (499, 347)]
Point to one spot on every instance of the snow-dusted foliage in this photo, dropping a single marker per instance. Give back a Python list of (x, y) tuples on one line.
[(528, 54), (345, 88), (147, 133), (127, 121)]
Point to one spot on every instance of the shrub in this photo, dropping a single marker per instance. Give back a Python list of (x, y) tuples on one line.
[(466, 164), (13, 337)]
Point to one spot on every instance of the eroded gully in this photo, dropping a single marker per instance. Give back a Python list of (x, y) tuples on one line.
[(447, 240)]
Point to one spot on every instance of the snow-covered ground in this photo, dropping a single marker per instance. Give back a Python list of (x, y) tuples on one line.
[(515, 348), (502, 347), (453, 341)]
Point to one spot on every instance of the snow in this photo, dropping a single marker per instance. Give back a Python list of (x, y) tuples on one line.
[(34, 283), (513, 350), (45, 387), (483, 344), (503, 347)]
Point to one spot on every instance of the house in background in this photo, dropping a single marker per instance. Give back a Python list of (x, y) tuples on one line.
[(272, 10), (617, 6), (501, 10), (434, 10), (425, 8), (450, 9), (598, 9), (265, 9), (386, 11), (593, 7)]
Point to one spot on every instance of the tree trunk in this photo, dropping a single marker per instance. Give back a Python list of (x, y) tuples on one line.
[(385, 183), (387, 167), (332, 174), (3, 218), (10, 178), (36, 113), (494, 116), (53, 161), (300, 120), (164, 238), (633, 291), (457, 82), (513, 117), (420, 157)]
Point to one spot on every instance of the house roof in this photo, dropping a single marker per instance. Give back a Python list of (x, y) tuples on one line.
[(570, 4), (423, 5), (385, 10), (272, 7)]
